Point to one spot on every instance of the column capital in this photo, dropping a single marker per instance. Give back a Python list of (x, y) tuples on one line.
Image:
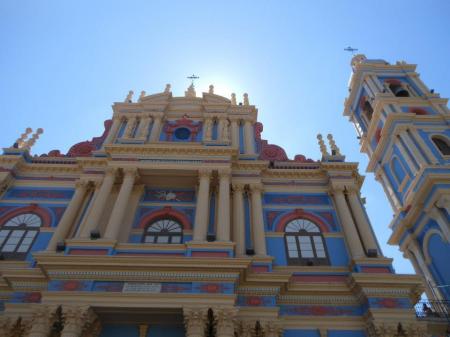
[(157, 114), (195, 321), (42, 320), (204, 173), (76, 319), (130, 171), (272, 329), (224, 173), (226, 320), (256, 188), (110, 170), (82, 183), (238, 187)]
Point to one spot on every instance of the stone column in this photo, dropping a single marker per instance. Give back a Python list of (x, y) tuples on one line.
[(66, 222), (143, 126), (220, 127), (131, 122), (422, 268), (259, 236), (99, 203), (112, 131), (349, 227), (195, 321), (156, 128), (225, 321), (207, 129), (223, 216), (115, 221), (42, 321), (76, 320), (363, 224), (249, 138), (235, 133), (201, 210), (238, 219)]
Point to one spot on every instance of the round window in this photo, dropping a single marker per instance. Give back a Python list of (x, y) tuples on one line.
[(182, 133)]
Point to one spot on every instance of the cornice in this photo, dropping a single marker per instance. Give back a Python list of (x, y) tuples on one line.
[(170, 148)]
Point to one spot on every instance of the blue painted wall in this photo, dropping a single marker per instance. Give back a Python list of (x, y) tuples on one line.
[(301, 333), (440, 252), (120, 330)]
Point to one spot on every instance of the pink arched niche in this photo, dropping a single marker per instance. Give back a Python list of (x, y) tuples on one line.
[(33, 208), (301, 214), (163, 213)]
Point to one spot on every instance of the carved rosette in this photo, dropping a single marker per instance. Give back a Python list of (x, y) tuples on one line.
[(195, 321), (225, 321)]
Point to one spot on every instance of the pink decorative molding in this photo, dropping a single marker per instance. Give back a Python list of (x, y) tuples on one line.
[(193, 127), (32, 208), (301, 214), (163, 213), (274, 152), (84, 149)]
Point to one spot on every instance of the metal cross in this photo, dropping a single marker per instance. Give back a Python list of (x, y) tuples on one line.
[(192, 78), (351, 50)]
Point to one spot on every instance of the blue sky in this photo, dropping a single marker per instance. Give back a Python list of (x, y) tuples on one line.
[(63, 63)]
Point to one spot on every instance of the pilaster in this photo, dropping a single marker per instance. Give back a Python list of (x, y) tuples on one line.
[(117, 215), (201, 210), (259, 236)]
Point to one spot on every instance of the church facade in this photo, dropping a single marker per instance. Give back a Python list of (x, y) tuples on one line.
[(403, 127), (181, 220)]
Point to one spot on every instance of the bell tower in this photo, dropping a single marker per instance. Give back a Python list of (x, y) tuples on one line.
[(403, 127)]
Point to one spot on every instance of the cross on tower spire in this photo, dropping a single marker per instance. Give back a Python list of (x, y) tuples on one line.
[(193, 77)]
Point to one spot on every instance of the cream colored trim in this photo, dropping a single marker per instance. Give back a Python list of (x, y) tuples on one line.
[(426, 241)]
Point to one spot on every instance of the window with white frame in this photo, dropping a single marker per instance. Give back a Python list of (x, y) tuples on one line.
[(18, 234), (305, 244), (164, 231)]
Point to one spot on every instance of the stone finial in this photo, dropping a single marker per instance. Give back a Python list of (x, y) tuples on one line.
[(142, 95), (211, 89), (246, 102), (190, 92), (129, 98), (334, 149), (20, 142), (233, 99), (323, 147), (29, 144), (167, 89)]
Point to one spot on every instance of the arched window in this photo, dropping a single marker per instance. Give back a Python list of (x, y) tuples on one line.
[(18, 234), (442, 145), (368, 110), (165, 230), (305, 244), (398, 90)]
